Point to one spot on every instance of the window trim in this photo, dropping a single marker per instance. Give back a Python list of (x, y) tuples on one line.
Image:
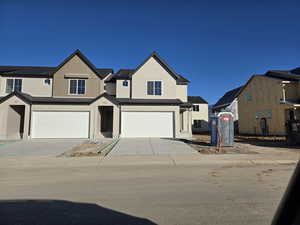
[(123, 82), (46, 80), (194, 124), (69, 87), (161, 89), (197, 107), (14, 84)]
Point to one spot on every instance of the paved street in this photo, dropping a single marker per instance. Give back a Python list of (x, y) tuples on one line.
[(212, 191), (151, 146)]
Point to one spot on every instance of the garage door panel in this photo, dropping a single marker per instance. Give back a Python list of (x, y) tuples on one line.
[(147, 124), (60, 125)]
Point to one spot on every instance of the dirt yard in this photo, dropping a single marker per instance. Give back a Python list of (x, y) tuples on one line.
[(243, 145), (87, 148)]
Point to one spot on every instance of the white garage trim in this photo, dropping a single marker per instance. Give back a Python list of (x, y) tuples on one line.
[(147, 124), (60, 124)]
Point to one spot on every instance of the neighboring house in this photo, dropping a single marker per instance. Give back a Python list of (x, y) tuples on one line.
[(267, 102), (229, 103), (78, 100), (199, 114)]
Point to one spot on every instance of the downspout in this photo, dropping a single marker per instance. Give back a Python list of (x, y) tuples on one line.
[(283, 93), (120, 120), (29, 122), (95, 124)]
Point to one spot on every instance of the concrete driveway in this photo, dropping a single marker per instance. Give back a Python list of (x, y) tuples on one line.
[(151, 146), (39, 147)]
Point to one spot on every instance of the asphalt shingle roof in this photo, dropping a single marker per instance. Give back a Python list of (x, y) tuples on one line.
[(227, 98), (290, 75), (86, 101), (125, 101), (39, 71), (128, 73), (197, 99), (122, 74)]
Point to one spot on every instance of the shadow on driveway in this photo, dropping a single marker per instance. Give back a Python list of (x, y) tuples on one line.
[(59, 212)]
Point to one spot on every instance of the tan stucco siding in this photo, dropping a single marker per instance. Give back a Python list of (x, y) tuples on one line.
[(32, 86), (9, 120), (122, 91), (76, 67), (261, 99), (201, 115), (110, 88), (151, 71), (181, 92)]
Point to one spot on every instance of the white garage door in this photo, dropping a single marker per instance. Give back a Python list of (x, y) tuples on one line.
[(147, 124), (60, 125)]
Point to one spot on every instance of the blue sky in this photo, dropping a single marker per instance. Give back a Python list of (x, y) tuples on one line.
[(217, 45)]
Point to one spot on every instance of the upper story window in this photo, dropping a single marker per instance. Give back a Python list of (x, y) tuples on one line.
[(77, 87), (154, 87), (47, 81), (248, 96), (13, 85), (196, 108), (125, 83)]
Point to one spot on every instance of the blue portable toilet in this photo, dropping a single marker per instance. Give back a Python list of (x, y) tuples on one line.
[(222, 129)]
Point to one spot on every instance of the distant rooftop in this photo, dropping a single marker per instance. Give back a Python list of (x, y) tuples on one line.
[(227, 98), (197, 99)]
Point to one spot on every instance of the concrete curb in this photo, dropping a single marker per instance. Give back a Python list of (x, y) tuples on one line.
[(172, 161)]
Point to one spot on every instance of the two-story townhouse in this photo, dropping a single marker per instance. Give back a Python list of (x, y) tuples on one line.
[(199, 114), (78, 100), (229, 103)]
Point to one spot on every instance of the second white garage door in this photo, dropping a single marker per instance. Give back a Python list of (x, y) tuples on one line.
[(147, 124), (60, 125)]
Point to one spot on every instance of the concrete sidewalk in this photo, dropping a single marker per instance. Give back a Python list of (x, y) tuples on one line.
[(142, 161), (151, 146), (37, 147), (193, 160)]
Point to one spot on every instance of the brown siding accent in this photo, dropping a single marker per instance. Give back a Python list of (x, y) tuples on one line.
[(76, 67)]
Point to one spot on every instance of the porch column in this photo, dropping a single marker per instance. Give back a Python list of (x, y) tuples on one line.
[(27, 122)]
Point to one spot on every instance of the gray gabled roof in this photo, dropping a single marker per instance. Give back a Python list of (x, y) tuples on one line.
[(122, 74), (290, 75), (130, 101), (86, 101), (197, 99), (46, 71), (46, 100), (128, 73), (35, 71), (57, 100), (227, 98), (98, 72)]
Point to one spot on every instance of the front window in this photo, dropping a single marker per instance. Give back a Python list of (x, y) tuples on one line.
[(196, 108), (154, 87), (197, 123), (47, 81), (13, 85), (125, 83), (77, 87)]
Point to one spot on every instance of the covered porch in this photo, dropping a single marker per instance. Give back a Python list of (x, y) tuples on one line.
[(185, 118), (14, 118)]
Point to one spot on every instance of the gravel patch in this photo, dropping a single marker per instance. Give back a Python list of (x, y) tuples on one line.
[(87, 148)]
